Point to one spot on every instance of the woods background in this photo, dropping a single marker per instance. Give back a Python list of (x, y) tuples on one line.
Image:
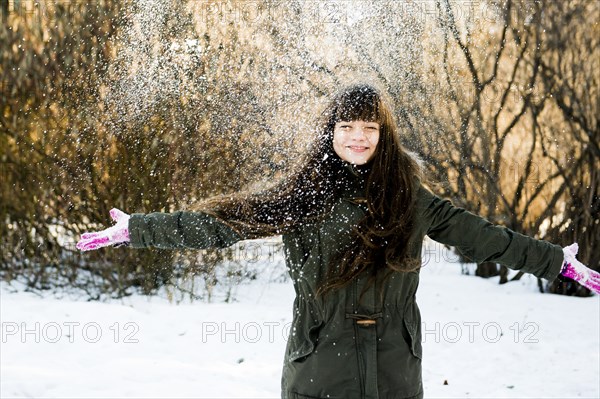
[(151, 105)]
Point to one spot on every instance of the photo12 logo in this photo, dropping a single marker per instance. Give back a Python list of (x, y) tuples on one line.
[(250, 332), (471, 331), (70, 331), (248, 12), (46, 10)]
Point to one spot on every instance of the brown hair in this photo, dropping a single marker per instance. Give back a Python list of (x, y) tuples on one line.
[(380, 239)]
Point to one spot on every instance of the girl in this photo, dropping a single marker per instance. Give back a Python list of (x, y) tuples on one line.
[(352, 218)]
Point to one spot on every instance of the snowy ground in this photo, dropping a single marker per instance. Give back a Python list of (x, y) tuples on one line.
[(485, 340)]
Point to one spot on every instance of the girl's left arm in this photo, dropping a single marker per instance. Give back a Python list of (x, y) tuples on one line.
[(480, 240)]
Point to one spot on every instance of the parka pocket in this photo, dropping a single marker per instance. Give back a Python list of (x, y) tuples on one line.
[(303, 340), (412, 323), (304, 333), (415, 340)]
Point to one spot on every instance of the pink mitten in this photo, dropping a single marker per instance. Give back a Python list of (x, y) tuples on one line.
[(116, 234), (574, 269)]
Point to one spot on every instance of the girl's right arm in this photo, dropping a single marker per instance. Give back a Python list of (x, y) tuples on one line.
[(180, 230), (162, 230)]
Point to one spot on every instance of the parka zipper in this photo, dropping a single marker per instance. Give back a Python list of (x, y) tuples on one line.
[(365, 333), (361, 370)]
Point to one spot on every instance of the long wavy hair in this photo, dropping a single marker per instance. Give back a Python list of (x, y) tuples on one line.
[(309, 192)]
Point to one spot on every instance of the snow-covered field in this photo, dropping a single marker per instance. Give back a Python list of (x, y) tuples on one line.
[(484, 340)]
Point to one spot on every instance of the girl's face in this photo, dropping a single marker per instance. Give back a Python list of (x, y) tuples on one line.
[(356, 141)]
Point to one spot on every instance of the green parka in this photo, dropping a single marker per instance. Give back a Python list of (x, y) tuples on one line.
[(338, 347)]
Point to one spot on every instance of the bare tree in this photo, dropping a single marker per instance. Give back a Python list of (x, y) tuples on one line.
[(570, 77), (154, 105)]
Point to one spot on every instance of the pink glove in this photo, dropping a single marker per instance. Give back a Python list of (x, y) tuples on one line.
[(574, 269), (116, 234)]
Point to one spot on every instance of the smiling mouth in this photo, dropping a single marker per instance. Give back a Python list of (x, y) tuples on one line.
[(357, 148)]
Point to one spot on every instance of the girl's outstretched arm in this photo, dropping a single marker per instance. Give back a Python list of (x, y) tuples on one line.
[(480, 240), (163, 230)]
